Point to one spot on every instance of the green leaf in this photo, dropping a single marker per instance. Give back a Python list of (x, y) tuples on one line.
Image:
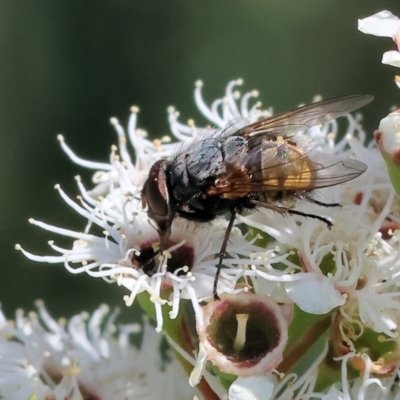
[(177, 329)]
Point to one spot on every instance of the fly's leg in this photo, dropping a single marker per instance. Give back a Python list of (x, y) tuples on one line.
[(284, 210), (222, 253), (149, 267), (320, 203), (318, 217)]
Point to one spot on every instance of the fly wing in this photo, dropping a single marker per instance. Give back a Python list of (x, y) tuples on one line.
[(289, 167), (283, 167), (299, 119), (330, 170)]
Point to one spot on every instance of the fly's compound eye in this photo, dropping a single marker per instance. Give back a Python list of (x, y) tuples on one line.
[(155, 194)]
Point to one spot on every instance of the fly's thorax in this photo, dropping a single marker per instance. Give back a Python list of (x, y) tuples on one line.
[(192, 170)]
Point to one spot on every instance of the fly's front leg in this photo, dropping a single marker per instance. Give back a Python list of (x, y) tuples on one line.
[(222, 253)]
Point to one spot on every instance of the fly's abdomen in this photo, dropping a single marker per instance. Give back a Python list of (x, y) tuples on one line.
[(285, 166)]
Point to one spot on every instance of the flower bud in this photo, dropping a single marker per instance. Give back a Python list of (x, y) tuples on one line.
[(387, 138)]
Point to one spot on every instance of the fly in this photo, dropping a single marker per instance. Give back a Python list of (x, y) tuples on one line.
[(258, 166)]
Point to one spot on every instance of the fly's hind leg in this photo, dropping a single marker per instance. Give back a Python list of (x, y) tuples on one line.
[(285, 210), (318, 217), (322, 204)]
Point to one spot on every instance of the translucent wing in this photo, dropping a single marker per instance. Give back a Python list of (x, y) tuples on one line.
[(283, 167), (305, 171), (288, 123)]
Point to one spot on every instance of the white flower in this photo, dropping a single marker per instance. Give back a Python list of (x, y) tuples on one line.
[(84, 359), (124, 253), (385, 24), (389, 135), (352, 268), (221, 113), (274, 387), (354, 261), (267, 386), (114, 206), (244, 334), (252, 388), (366, 386), (293, 387)]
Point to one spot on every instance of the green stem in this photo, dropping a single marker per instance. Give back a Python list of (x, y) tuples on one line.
[(303, 343)]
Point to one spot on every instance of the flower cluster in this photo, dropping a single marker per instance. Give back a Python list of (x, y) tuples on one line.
[(86, 358), (288, 282)]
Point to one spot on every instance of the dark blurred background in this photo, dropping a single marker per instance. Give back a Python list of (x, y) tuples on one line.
[(69, 65)]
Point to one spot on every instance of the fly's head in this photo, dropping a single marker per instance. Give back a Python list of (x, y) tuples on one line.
[(155, 195)]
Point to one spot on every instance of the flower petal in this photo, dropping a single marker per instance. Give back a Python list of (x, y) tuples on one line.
[(383, 23), (251, 388), (391, 58), (314, 295)]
